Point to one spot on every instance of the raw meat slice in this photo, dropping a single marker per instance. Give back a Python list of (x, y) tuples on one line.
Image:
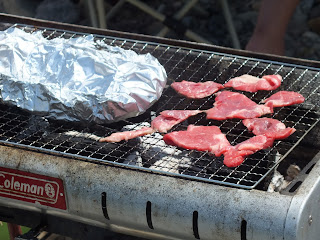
[(196, 90), (272, 128), (201, 138), (167, 119), (235, 105), (126, 135), (235, 155), (180, 114), (163, 124), (284, 98), (250, 83), (255, 143)]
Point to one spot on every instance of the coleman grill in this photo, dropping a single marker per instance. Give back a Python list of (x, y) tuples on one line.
[(56, 176)]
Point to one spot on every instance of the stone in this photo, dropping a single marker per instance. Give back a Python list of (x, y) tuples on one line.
[(315, 11), (58, 10), (20, 7), (310, 38), (314, 24), (255, 5)]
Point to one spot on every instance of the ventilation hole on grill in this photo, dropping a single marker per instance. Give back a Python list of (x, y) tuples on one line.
[(195, 225), (104, 205), (148, 214), (310, 168), (243, 230), (295, 186)]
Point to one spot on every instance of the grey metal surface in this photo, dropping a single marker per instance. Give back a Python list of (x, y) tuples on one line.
[(24, 130), (178, 208), (303, 217)]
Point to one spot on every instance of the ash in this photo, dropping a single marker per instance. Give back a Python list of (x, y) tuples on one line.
[(154, 153), (205, 18)]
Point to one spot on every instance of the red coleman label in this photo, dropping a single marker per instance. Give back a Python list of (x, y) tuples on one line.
[(31, 187)]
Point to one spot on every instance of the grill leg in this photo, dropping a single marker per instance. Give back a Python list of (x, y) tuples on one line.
[(14, 230)]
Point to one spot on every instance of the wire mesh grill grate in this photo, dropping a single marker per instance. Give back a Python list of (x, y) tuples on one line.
[(150, 153)]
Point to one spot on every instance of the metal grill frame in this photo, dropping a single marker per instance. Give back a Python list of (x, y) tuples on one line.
[(241, 61)]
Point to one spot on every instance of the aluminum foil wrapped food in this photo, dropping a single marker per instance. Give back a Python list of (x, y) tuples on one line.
[(76, 79)]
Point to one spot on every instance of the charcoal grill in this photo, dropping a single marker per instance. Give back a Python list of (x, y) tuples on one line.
[(56, 174)]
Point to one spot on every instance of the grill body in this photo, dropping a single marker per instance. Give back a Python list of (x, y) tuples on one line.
[(161, 207), (99, 195)]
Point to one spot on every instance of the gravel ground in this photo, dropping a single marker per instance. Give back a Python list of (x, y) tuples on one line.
[(206, 19)]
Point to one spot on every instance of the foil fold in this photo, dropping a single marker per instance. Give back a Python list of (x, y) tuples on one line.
[(76, 79)]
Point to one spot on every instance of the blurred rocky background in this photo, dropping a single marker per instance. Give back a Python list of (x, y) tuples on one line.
[(205, 18)]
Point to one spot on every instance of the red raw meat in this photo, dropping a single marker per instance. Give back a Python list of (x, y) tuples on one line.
[(235, 105), (235, 155), (179, 114), (201, 138), (167, 119), (250, 83), (119, 136), (196, 90), (272, 128), (284, 98)]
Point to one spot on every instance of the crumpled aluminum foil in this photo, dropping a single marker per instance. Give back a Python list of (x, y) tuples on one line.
[(76, 79)]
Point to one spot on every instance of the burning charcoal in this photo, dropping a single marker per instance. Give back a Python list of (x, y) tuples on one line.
[(71, 138), (292, 172), (132, 156), (215, 164), (84, 144), (34, 125), (132, 127), (156, 154), (165, 165), (154, 149), (134, 159), (277, 182), (87, 136), (172, 163), (135, 126)]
